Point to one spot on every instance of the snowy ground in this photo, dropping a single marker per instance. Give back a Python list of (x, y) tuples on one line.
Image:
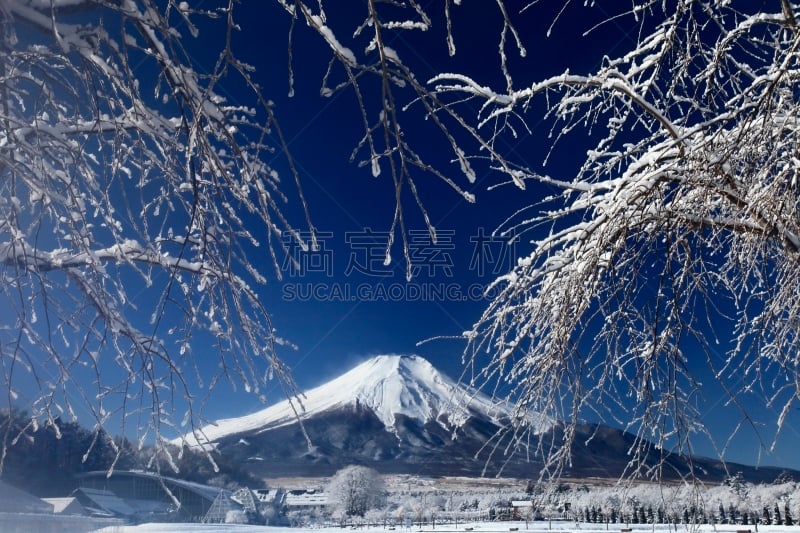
[(487, 527)]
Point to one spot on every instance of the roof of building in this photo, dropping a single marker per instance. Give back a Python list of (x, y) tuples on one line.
[(148, 493), (306, 499), (203, 490), (103, 503), (13, 499), (67, 505), (274, 496)]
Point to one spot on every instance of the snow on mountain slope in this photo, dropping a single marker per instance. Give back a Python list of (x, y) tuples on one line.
[(388, 385)]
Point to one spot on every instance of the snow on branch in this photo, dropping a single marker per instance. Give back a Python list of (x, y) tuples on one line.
[(137, 207), (683, 216), (386, 89)]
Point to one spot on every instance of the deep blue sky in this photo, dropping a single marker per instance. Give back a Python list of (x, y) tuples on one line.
[(334, 332), (346, 201), (343, 305)]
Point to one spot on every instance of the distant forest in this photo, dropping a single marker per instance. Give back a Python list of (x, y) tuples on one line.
[(46, 461)]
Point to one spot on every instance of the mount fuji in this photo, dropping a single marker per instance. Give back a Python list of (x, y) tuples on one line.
[(398, 414), (392, 388)]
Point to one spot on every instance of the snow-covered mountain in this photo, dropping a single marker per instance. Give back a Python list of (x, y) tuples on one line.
[(388, 386), (398, 414)]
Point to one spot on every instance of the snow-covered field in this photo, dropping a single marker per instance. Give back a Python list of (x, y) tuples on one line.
[(480, 527)]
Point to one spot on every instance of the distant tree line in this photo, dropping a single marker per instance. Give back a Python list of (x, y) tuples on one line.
[(48, 460), (690, 515)]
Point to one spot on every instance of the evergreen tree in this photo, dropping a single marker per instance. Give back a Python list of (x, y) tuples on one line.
[(776, 516), (721, 518), (788, 520), (46, 460), (530, 488), (732, 514), (765, 517), (737, 484)]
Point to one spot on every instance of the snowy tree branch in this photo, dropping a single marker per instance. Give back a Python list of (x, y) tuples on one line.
[(133, 199)]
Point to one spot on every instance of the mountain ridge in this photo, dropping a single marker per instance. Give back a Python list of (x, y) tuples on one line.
[(389, 385), (399, 415)]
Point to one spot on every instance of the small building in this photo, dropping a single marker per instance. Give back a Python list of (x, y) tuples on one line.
[(273, 497), (305, 500), (521, 509)]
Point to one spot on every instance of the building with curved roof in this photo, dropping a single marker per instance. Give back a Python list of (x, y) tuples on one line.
[(139, 495)]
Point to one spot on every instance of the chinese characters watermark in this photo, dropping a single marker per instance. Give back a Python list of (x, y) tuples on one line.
[(319, 272)]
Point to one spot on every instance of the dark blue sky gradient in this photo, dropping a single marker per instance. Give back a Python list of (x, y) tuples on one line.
[(333, 335)]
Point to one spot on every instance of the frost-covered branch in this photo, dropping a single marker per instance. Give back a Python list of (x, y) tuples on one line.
[(684, 216), (681, 215), (136, 202), (386, 90), (27, 257), (137, 208)]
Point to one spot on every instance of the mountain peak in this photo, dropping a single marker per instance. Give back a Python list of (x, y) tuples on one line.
[(388, 365), (393, 385), (387, 385)]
